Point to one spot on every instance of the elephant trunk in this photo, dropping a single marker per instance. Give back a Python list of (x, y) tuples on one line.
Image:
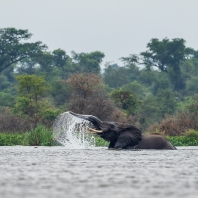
[(94, 120)]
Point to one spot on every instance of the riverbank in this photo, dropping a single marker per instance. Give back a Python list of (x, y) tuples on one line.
[(42, 136)]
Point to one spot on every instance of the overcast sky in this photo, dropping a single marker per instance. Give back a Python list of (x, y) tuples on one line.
[(116, 27)]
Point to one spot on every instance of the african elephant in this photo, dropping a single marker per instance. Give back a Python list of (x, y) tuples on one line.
[(125, 136)]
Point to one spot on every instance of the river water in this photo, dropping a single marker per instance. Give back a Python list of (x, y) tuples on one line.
[(33, 172)]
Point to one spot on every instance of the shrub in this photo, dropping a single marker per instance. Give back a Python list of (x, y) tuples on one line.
[(176, 125), (89, 96), (12, 123), (40, 136), (183, 141), (13, 139), (192, 133)]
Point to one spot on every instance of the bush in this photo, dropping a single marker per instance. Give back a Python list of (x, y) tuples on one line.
[(40, 136), (12, 123), (176, 125), (183, 141), (13, 139), (192, 133)]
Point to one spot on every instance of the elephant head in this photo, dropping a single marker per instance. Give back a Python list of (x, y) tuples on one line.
[(125, 136), (120, 135)]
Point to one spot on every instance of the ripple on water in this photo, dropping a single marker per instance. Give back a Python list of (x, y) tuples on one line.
[(60, 172)]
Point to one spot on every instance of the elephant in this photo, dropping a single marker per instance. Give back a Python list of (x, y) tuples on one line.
[(125, 136)]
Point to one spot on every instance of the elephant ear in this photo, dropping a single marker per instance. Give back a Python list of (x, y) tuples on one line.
[(129, 137)]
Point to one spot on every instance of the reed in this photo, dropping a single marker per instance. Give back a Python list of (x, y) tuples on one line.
[(7, 139), (40, 136), (43, 136)]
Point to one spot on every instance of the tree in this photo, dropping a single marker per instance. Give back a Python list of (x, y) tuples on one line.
[(166, 55), (136, 88), (60, 92), (32, 86), (125, 100), (88, 96), (30, 102), (89, 62), (13, 47), (84, 84), (27, 65), (60, 57), (116, 76), (155, 108), (191, 86), (46, 61)]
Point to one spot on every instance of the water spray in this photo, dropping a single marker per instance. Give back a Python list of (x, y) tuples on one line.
[(71, 132)]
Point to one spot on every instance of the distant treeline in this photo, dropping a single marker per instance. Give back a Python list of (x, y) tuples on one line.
[(155, 90)]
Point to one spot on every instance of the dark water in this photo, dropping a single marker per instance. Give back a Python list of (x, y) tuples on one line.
[(58, 172)]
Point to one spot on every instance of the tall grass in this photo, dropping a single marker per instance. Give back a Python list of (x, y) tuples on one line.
[(190, 138), (43, 136), (183, 141), (40, 136), (7, 139)]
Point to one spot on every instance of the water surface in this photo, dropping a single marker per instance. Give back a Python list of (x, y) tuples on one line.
[(27, 172)]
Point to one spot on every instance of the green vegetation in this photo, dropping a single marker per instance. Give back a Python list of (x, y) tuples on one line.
[(7, 139), (101, 142), (42, 136), (39, 136), (183, 141), (155, 90)]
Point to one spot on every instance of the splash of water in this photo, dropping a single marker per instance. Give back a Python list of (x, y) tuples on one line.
[(70, 131)]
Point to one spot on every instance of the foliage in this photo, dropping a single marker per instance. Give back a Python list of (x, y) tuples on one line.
[(84, 84), (89, 62), (135, 87), (193, 106), (167, 101), (60, 57), (115, 76), (40, 136), (166, 55), (13, 48), (6, 99), (32, 86), (7, 139), (4, 82), (46, 62), (192, 133), (125, 100), (101, 142), (177, 124), (61, 92), (191, 86), (163, 79), (155, 108), (30, 101), (183, 141), (89, 97), (12, 123)]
